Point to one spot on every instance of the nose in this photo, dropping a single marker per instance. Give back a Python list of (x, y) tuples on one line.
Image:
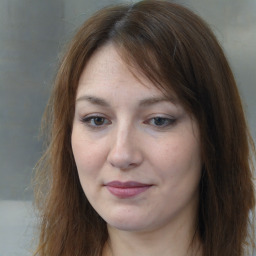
[(125, 152)]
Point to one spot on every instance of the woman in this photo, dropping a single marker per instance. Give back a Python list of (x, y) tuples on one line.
[(149, 150)]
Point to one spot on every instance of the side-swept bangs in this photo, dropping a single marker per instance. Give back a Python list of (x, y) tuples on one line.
[(177, 51)]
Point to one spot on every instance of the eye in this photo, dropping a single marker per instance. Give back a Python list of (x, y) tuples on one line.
[(95, 121), (161, 122)]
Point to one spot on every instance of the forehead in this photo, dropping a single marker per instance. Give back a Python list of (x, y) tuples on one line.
[(104, 64), (106, 70)]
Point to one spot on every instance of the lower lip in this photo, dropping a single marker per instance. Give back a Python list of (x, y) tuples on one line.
[(127, 192)]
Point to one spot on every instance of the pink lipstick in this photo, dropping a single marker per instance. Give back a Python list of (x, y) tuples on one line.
[(126, 189)]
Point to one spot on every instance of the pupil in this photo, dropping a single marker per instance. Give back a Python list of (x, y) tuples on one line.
[(159, 121), (99, 120)]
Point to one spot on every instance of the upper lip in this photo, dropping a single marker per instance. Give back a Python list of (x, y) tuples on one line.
[(127, 184)]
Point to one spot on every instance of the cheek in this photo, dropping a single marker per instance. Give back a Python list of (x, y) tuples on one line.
[(89, 155), (180, 175), (89, 158), (179, 161)]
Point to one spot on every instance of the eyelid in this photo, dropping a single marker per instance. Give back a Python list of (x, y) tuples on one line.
[(170, 121), (164, 116), (88, 118), (167, 121)]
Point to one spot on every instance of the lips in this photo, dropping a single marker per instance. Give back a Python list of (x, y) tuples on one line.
[(126, 189)]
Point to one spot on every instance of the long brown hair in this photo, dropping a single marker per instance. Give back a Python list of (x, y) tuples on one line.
[(177, 51)]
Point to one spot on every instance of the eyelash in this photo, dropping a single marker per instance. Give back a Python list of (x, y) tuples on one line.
[(166, 121), (90, 121)]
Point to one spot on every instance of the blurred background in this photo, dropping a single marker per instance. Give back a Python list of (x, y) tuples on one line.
[(32, 35)]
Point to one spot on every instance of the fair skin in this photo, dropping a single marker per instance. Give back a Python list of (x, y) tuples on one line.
[(138, 159)]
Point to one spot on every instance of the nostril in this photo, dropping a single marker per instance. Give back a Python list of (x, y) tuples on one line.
[(129, 166), (125, 158)]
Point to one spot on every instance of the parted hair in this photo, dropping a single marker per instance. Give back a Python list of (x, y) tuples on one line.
[(178, 52)]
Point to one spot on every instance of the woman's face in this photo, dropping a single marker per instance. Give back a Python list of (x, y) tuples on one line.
[(137, 153)]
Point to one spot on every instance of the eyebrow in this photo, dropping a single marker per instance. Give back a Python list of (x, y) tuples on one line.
[(94, 100), (143, 103), (154, 100)]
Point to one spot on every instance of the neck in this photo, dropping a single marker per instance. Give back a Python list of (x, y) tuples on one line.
[(175, 240)]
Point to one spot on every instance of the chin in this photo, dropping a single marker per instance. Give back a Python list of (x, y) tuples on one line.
[(131, 227), (131, 223)]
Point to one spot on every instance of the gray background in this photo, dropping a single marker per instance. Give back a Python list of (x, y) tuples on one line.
[(32, 35)]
